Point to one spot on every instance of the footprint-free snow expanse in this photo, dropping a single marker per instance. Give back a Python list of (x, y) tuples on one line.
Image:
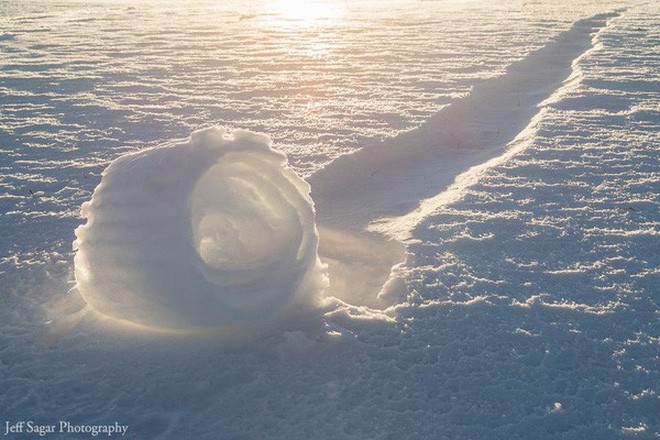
[(523, 199)]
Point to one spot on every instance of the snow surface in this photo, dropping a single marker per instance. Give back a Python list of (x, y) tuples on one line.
[(529, 307)]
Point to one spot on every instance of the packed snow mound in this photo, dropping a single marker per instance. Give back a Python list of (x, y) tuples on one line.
[(214, 232)]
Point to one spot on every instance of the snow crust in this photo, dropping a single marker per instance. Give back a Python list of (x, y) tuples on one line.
[(534, 281), (214, 232)]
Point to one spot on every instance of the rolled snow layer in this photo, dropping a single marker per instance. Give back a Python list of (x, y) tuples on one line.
[(214, 232)]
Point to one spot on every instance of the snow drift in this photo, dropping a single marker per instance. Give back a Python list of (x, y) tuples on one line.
[(214, 232)]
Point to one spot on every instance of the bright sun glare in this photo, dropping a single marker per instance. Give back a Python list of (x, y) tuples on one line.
[(306, 12)]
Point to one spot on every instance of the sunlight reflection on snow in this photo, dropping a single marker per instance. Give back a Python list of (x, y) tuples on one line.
[(305, 13)]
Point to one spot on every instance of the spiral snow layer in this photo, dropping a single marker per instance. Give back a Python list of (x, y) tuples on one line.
[(214, 232)]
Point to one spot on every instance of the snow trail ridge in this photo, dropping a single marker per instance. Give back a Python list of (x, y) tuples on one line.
[(390, 178), (382, 186)]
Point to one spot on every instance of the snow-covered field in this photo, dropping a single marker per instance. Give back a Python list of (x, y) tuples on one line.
[(508, 149)]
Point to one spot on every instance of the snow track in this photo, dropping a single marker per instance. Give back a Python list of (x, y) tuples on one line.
[(386, 187), (390, 179)]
